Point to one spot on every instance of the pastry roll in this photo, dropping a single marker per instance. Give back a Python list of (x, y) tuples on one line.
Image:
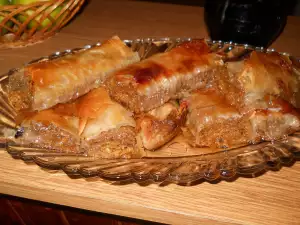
[(42, 85), (160, 125), (213, 122), (92, 123), (246, 83), (152, 82)]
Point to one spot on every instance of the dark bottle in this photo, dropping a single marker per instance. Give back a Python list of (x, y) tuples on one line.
[(254, 22)]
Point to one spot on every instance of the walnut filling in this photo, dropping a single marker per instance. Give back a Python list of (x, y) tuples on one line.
[(152, 82), (212, 122), (116, 143), (51, 137), (41, 85)]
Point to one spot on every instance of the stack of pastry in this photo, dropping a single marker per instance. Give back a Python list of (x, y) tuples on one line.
[(105, 100)]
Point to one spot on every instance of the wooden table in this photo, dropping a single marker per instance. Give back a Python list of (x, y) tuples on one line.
[(273, 198)]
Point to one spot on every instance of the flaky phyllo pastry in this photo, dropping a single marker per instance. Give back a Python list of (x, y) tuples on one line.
[(152, 82), (249, 101), (45, 84), (104, 101), (213, 122), (93, 123)]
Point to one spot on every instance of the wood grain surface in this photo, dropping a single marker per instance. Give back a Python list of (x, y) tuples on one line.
[(273, 198)]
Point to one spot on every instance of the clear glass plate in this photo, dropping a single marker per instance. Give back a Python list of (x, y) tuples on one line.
[(176, 162)]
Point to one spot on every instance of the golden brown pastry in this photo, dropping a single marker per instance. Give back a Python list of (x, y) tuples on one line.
[(154, 81), (106, 126), (92, 123), (42, 85), (160, 125), (247, 83), (52, 130), (251, 100), (221, 105), (213, 122)]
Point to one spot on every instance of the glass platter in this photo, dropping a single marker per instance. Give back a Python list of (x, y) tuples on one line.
[(176, 162)]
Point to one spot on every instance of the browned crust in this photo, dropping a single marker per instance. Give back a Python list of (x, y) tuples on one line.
[(213, 122), (261, 74), (39, 86), (152, 82), (127, 93), (154, 132), (193, 53)]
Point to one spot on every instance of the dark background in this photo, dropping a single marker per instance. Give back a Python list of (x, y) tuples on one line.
[(294, 5)]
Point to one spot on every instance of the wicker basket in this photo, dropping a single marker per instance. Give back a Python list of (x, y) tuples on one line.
[(23, 25)]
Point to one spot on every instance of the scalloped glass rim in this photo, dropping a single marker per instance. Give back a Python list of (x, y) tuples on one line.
[(226, 164)]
